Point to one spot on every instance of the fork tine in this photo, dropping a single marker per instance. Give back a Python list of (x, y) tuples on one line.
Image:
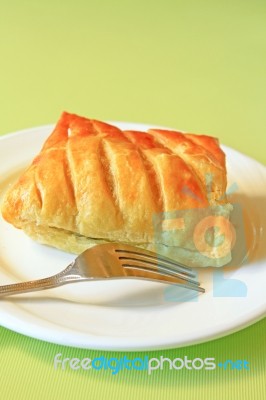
[(159, 269), (156, 260), (150, 265), (159, 266), (150, 274)]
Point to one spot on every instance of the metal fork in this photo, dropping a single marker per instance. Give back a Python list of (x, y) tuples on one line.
[(113, 261)]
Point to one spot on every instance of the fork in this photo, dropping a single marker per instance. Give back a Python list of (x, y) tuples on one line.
[(113, 261)]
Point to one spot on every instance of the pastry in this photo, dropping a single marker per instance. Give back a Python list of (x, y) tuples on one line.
[(92, 183)]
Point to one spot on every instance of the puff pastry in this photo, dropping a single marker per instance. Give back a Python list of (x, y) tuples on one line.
[(93, 182)]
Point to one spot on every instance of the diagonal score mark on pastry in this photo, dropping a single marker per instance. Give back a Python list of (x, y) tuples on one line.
[(172, 172), (201, 153), (92, 183)]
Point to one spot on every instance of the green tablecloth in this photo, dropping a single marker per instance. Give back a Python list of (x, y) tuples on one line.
[(198, 66)]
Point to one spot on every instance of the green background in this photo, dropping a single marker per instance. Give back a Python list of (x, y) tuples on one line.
[(193, 65)]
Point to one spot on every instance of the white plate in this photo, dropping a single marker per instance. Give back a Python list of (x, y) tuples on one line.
[(130, 315)]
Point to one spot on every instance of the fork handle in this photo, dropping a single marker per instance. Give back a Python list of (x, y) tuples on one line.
[(62, 278)]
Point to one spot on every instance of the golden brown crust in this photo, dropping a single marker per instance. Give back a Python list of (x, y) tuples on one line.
[(93, 180)]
